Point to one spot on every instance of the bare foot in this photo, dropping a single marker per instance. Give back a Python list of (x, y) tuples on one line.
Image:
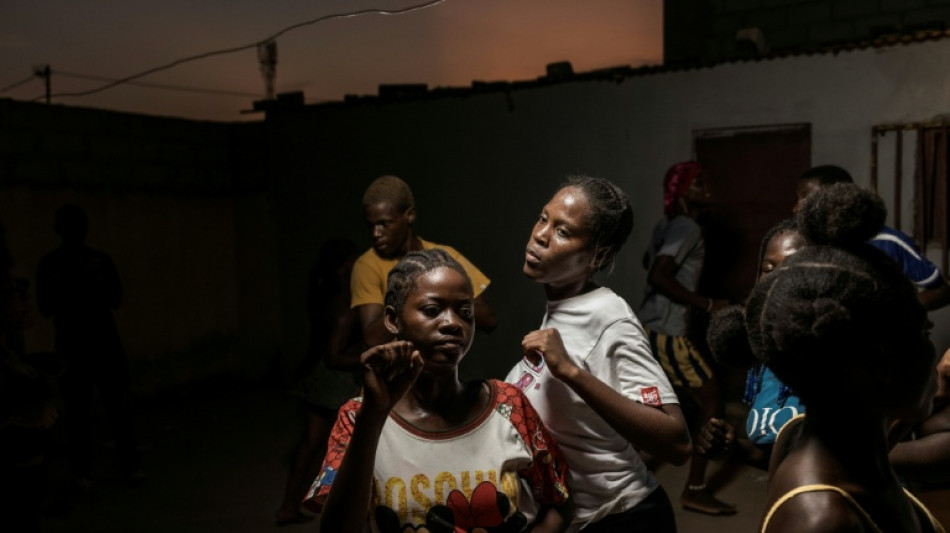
[(702, 501)]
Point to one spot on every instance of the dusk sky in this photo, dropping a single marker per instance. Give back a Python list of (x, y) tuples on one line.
[(450, 43)]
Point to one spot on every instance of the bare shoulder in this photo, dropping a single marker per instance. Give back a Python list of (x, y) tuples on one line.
[(937, 422), (817, 512), (784, 442)]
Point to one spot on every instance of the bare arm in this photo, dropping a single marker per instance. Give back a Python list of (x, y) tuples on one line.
[(936, 297), (485, 318), (717, 439), (663, 278), (926, 458), (389, 372), (347, 504), (342, 353), (371, 321), (660, 431)]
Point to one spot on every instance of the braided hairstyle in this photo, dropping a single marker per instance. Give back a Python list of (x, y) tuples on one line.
[(610, 220), (832, 321), (402, 278)]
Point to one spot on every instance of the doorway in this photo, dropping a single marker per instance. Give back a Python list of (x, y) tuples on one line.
[(752, 173)]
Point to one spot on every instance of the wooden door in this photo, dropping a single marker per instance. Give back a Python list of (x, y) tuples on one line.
[(752, 177)]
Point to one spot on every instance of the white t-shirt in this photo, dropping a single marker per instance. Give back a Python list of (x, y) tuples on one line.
[(495, 471), (682, 239), (604, 337)]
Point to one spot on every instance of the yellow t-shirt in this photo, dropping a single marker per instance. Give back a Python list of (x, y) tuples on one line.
[(368, 280)]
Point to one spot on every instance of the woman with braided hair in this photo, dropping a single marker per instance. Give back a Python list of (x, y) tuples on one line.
[(589, 371), (422, 450), (841, 325)]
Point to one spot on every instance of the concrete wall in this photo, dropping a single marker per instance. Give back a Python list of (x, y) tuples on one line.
[(214, 226), (173, 203), (482, 166)]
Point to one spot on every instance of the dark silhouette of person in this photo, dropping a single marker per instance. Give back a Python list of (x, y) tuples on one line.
[(79, 287), (331, 377)]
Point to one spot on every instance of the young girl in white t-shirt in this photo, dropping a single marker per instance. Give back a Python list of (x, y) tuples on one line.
[(422, 450)]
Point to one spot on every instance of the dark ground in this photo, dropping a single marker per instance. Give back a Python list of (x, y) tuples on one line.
[(216, 460)]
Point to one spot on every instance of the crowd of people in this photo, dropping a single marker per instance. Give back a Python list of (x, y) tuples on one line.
[(836, 323), (849, 403)]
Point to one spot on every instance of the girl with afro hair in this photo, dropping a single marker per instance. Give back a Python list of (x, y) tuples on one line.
[(841, 325)]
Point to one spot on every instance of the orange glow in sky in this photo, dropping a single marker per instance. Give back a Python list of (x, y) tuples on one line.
[(449, 44)]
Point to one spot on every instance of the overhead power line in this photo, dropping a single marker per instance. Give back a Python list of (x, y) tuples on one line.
[(17, 84), (241, 48), (157, 85)]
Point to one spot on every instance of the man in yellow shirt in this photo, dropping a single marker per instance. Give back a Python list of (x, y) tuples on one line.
[(390, 211)]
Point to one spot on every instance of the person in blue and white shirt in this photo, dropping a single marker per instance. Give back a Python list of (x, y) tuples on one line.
[(933, 290)]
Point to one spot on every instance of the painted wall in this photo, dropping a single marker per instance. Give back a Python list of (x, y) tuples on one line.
[(172, 202), (482, 165), (214, 226)]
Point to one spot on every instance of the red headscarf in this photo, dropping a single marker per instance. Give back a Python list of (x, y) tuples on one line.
[(677, 181)]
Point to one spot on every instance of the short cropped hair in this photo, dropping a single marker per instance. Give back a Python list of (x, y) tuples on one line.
[(827, 175), (389, 190)]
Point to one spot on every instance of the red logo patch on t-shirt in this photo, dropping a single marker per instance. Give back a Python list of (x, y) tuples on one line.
[(651, 396)]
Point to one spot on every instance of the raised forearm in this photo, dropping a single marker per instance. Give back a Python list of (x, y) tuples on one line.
[(347, 505)]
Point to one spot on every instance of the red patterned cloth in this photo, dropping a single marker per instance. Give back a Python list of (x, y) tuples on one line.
[(495, 471)]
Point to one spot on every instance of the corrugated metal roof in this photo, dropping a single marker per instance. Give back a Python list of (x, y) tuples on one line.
[(391, 93)]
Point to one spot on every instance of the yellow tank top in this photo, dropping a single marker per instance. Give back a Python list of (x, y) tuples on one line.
[(937, 528)]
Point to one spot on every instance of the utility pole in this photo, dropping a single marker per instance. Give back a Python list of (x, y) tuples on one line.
[(267, 57), (45, 73)]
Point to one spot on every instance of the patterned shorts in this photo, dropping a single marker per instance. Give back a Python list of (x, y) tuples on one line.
[(682, 362)]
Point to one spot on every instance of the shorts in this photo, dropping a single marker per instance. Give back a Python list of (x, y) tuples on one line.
[(682, 362), (653, 515), (328, 389)]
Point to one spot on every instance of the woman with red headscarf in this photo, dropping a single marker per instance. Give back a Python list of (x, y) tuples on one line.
[(675, 261)]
